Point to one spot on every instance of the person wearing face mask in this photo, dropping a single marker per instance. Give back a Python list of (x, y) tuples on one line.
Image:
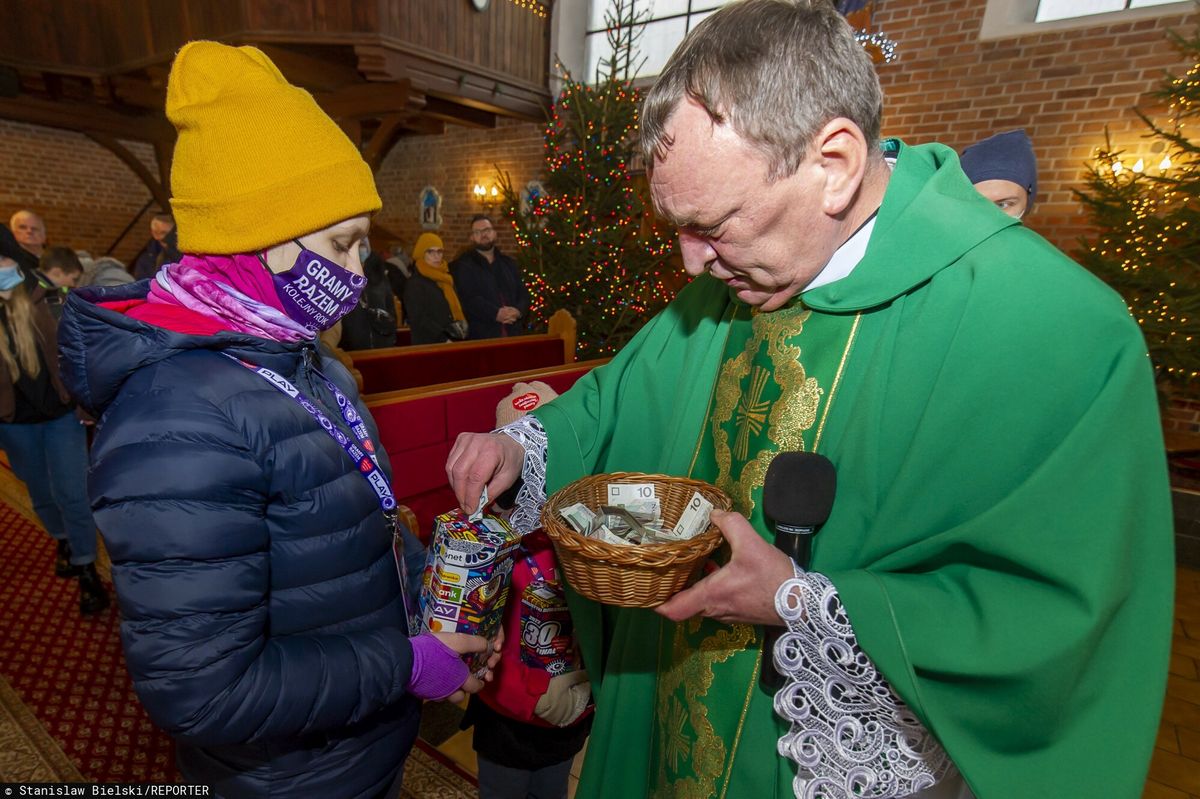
[(430, 301), (45, 443), (1003, 169), (235, 476)]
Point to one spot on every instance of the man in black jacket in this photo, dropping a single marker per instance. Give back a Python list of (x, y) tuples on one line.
[(489, 285)]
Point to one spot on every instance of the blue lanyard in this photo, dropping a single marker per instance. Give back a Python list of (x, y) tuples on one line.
[(364, 458)]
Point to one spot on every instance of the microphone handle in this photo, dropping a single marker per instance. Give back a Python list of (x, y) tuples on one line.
[(796, 543)]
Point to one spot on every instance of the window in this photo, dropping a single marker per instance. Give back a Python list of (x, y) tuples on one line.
[(1006, 18), (1049, 10), (664, 27)]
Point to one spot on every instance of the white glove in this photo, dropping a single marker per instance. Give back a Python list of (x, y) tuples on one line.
[(566, 697)]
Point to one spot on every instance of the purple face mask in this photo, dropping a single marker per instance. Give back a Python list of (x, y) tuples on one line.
[(316, 292)]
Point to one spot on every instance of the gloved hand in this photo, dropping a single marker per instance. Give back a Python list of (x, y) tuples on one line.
[(437, 670), (566, 698)]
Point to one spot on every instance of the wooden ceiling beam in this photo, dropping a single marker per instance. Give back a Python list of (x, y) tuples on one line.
[(382, 140), (157, 190), (370, 100), (313, 73), (87, 118), (450, 111), (141, 93)]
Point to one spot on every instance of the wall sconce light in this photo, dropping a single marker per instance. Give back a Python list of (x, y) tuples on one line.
[(486, 197)]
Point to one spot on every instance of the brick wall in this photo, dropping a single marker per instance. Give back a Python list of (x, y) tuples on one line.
[(453, 163), (1063, 87), (85, 193)]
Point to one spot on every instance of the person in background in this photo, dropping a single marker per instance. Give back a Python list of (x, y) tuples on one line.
[(162, 248), (103, 271), (372, 322), (489, 284), (1003, 169), (59, 271), (430, 301), (235, 477), (530, 722), (30, 232), (399, 267), (11, 249), (44, 439)]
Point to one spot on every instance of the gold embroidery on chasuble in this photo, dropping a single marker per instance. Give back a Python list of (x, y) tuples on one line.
[(763, 403), (784, 395)]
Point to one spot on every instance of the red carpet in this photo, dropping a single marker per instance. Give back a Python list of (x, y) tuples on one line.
[(69, 670)]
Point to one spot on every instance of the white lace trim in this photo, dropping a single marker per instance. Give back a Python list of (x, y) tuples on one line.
[(851, 736), (529, 433)]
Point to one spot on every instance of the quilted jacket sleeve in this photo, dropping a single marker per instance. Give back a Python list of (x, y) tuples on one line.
[(180, 499)]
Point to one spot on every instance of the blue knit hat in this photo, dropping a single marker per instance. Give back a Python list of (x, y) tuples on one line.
[(1005, 156)]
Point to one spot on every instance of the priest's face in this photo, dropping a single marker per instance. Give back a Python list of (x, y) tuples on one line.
[(765, 239)]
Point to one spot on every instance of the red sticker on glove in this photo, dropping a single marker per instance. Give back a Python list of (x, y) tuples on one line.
[(526, 402)]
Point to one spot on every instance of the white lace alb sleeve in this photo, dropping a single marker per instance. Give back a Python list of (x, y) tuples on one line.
[(529, 433), (851, 736)]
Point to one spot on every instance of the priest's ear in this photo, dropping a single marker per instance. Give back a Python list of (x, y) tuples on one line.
[(842, 154)]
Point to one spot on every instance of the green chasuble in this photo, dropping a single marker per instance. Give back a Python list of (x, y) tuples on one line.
[(1001, 537)]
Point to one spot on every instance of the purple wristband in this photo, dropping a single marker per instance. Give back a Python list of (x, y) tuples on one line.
[(437, 670)]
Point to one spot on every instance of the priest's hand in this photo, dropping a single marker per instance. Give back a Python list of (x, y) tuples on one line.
[(743, 590), (483, 459)]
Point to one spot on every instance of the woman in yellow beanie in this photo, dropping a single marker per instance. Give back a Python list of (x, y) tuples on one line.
[(235, 474), (434, 312)]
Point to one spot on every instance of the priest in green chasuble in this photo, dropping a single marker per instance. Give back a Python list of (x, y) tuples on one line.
[(987, 611)]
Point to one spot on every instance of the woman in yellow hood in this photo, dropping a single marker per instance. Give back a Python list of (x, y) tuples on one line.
[(434, 312)]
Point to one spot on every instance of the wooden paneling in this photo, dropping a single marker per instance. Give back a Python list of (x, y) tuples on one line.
[(115, 52)]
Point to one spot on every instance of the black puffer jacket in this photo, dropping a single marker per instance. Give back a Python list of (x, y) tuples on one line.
[(262, 612)]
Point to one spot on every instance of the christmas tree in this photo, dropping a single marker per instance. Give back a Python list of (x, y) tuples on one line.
[(586, 240), (1148, 245)]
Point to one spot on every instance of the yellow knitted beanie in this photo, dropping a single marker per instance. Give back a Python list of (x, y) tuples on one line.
[(257, 162)]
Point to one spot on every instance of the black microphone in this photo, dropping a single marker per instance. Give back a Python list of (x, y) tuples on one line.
[(798, 495)]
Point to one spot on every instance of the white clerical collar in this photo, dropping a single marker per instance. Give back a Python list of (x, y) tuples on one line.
[(846, 257), (850, 254)]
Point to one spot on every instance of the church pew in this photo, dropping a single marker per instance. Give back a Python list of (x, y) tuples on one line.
[(397, 368), (417, 428)]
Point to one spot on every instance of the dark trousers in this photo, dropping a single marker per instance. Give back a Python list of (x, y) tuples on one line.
[(502, 782)]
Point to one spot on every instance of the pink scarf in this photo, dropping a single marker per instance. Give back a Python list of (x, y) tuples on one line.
[(235, 290)]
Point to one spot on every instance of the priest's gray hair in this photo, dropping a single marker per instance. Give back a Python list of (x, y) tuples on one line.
[(776, 71)]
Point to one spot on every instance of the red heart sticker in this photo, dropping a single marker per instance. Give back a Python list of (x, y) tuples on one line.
[(526, 402)]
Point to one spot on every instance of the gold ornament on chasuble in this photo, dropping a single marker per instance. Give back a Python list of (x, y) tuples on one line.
[(765, 402), (750, 393)]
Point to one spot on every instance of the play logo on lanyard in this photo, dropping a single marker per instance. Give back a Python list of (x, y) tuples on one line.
[(316, 292)]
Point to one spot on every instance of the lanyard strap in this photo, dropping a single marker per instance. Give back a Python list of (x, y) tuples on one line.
[(533, 567), (364, 457)]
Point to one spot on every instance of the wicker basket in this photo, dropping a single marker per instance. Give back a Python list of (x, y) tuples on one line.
[(641, 576)]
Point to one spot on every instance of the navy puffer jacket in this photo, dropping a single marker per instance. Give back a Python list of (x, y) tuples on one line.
[(262, 611)]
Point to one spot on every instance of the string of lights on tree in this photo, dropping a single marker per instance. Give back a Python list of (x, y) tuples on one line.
[(589, 243), (1147, 247)]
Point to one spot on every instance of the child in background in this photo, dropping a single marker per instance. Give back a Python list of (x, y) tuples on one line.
[(529, 724)]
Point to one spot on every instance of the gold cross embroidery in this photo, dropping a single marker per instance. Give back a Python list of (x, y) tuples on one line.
[(679, 745), (751, 414)]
